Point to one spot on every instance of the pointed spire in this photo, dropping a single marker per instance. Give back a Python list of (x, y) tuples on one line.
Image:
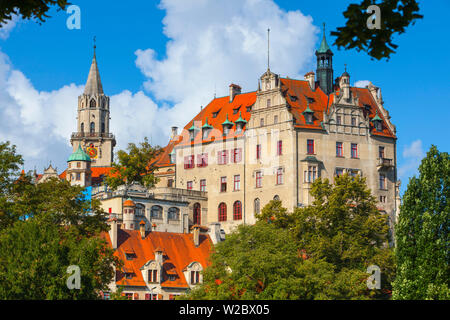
[(93, 83), (324, 45)]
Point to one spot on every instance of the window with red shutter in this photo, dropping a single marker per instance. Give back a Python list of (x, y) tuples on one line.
[(310, 146), (236, 155), (237, 210), (237, 182), (279, 148), (258, 179), (202, 160), (258, 151)]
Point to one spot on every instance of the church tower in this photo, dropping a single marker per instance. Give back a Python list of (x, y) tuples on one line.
[(93, 133), (324, 70)]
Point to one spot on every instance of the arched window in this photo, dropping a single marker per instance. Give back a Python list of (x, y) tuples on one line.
[(237, 210), (92, 128), (197, 214), (173, 213), (82, 127), (140, 209), (276, 198), (156, 212), (222, 212), (92, 103), (257, 205)]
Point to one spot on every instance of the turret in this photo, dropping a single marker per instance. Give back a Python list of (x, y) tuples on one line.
[(79, 168), (129, 214), (324, 70)]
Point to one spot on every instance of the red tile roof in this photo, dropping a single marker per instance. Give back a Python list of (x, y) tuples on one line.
[(179, 252), (216, 112)]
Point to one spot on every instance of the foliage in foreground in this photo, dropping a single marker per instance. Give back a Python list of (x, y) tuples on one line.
[(318, 252), (44, 229), (422, 232)]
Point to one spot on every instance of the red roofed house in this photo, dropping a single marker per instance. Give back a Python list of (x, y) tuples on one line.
[(158, 265)]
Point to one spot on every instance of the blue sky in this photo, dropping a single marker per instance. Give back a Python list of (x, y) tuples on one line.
[(138, 49)]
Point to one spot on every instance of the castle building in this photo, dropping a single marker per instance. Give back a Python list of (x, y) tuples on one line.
[(248, 148)]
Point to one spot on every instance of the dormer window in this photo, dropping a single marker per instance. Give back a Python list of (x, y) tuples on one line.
[(308, 113), (153, 276), (193, 131), (193, 273), (236, 110), (249, 108), (377, 122), (128, 275), (206, 129), (240, 123), (227, 125), (130, 255), (214, 115)]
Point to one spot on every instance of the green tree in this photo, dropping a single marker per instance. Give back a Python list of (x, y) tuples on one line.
[(422, 232), (44, 229), (136, 165), (255, 262), (29, 9), (343, 227), (35, 255), (396, 16), (318, 252)]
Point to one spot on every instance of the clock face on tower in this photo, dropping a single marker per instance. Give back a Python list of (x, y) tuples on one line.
[(91, 150)]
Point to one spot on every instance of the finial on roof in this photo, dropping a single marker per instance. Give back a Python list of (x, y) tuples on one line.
[(93, 83), (324, 45), (268, 49)]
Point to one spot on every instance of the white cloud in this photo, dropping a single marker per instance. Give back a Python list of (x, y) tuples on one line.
[(412, 156), (214, 43), (6, 28), (211, 44), (361, 83)]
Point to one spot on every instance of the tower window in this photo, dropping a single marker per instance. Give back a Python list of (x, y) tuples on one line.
[(103, 127), (92, 127), (92, 104), (82, 127), (268, 103)]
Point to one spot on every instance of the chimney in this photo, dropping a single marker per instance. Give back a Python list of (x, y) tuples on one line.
[(159, 256), (174, 133), (113, 232), (234, 90), (214, 232), (196, 234), (310, 77), (142, 229)]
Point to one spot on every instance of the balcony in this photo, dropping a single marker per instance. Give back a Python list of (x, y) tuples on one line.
[(91, 135), (384, 163)]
